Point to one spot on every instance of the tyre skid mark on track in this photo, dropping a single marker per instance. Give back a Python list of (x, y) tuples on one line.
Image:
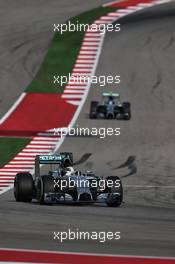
[(83, 159)]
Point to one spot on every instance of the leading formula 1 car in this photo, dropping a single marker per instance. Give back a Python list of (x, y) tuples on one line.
[(110, 108), (63, 184)]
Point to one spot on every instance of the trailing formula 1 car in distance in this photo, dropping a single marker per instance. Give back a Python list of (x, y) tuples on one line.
[(64, 184), (110, 108)]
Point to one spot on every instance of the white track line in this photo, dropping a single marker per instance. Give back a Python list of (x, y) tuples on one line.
[(11, 110)]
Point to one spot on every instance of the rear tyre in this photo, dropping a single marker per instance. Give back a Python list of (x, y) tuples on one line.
[(45, 185), (129, 116), (93, 110), (23, 187), (127, 108), (102, 110), (115, 193)]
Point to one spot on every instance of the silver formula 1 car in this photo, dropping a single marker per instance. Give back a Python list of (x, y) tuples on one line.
[(110, 108), (64, 184)]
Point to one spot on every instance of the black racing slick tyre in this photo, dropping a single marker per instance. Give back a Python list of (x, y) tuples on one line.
[(115, 193), (23, 187), (127, 108), (93, 110), (102, 109), (45, 185)]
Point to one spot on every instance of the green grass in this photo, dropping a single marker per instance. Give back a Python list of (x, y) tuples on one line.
[(9, 147), (62, 54)]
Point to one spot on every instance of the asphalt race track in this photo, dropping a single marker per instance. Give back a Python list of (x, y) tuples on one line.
[(142, 155)]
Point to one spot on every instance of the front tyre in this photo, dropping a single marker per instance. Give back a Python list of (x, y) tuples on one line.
[(115, 193), (127, 109), (23, 187), (45, 185), (93, 110)]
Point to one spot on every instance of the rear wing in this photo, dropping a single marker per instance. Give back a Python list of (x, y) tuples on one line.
[(115, 95), (64, 159), (49, 159)]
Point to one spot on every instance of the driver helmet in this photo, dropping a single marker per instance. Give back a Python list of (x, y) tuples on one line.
[(111, 100), (69, 171)]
